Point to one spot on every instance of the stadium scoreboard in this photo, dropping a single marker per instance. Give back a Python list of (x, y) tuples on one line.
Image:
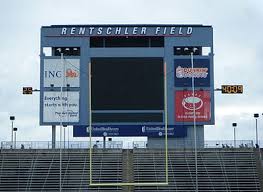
[(126, 65)]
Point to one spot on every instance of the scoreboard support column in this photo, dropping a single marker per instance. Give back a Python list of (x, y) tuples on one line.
[(53, 136)]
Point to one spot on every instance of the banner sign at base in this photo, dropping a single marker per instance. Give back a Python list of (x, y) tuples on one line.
[(130, 130)]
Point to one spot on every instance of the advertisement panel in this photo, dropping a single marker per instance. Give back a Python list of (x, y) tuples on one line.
[(184, 106), (54, 103), (130, 130), (184, 72), (59, 72)]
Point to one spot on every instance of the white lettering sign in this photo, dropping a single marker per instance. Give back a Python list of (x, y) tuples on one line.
[(60, 107), (127, 31), (189, 72)]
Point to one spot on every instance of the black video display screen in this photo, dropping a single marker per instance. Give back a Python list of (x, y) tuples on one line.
[(127, 84)]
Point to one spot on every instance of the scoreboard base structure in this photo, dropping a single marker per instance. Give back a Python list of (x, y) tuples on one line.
[(161, 183), (148, 130)]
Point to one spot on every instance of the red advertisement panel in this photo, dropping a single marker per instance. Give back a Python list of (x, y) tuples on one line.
[(184, 106)]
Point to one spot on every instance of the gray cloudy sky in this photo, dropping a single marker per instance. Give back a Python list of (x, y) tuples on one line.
[(238, 42)]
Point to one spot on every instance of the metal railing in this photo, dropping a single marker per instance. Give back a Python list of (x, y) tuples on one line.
[(123, 145), (229, 144), (58, 145)]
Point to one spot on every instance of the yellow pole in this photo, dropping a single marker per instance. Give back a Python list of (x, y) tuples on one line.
[(166, 126), (166, 142), (90, 129)]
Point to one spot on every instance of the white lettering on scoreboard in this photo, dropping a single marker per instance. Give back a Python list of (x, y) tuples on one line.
[(59, 72), (57, 107), (136, 30)]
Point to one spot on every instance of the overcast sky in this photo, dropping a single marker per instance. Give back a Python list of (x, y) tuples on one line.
[(238, 44)]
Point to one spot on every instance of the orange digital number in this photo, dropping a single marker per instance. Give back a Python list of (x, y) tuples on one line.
[(240, 88), (232, 89)]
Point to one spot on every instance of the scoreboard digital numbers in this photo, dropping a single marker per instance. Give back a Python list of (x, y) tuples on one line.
[(232, 89), (27, 90)]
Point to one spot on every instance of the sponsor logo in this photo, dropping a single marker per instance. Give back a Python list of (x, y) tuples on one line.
[(52, 74), (190, 102), (191, 72), (186, 102), (143, 129), (71, 73)]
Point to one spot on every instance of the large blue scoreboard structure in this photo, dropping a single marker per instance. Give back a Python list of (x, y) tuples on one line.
[(117, 73)]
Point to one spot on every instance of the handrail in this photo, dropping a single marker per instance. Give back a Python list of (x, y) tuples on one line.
[(65, 171), (223, 168), (189, 169), (206, 171), (188, 144), (83, 171), (47, 175), (34, 160), (254, 161), (2, 165)]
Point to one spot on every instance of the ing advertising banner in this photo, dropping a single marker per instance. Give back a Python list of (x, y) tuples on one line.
[(184, 72), (57, 72), (184, 106)]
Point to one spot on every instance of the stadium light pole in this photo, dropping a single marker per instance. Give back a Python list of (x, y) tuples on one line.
[(234, 126), (256, 115), (15, 129), (194, 121), (12, 118), (64, 135)]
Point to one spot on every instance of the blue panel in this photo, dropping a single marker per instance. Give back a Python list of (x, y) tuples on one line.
[(130, 130), (183, 72)]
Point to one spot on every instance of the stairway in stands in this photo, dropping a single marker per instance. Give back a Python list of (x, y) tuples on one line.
[(218, 170)]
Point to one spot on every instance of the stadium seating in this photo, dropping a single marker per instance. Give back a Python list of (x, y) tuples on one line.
[(218, 169), (38, 170)]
